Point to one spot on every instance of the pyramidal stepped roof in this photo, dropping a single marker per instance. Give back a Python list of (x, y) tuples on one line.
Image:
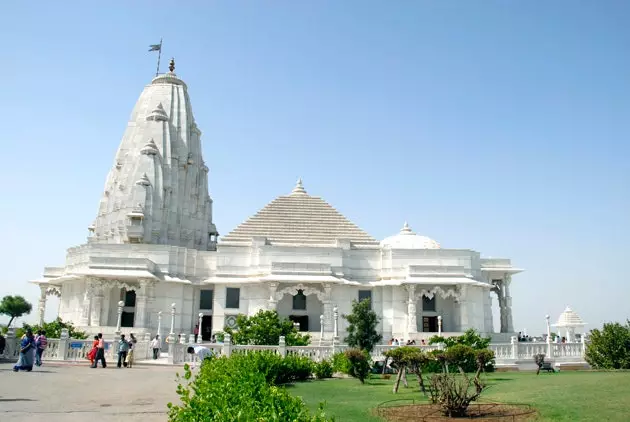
[(299, 218), (569, 318)]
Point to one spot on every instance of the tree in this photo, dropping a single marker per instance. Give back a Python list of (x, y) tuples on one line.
[(265, 328), (14, 307), (362, 326), (408, 358), (53, 329), (609, 348)]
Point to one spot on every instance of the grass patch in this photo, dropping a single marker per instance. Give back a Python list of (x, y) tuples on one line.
[(565, 396)]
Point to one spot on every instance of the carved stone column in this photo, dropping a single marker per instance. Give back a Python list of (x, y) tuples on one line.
[(84, 321), (42, 303), (412, 323), (464, 311), (508, 304), (142, 298), (272, 305), (97, 302), (328, 308)]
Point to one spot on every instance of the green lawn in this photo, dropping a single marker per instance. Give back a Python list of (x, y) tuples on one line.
[(565, 396)]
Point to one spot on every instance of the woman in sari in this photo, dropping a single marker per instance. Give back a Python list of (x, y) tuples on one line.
[(27, 353), (92, 353)]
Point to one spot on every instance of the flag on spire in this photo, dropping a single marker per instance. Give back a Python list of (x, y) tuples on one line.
[(158, 48)]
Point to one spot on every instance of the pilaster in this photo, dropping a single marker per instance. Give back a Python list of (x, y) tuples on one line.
[(96, 287), (142, 297), (273, 302), (84, 321), (464, 311), (412, 323), (328, 308)]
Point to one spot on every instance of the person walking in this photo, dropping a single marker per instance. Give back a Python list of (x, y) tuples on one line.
[(196, 332), (40, 342), (27, 352), (100, 352), (156, 345), (123, 348)]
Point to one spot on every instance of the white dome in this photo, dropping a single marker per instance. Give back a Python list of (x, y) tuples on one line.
[(407, 239)]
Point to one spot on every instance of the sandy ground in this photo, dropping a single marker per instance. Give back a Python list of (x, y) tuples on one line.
[(78, 393)]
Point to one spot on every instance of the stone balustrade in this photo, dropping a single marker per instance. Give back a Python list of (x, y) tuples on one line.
[(506, 354)]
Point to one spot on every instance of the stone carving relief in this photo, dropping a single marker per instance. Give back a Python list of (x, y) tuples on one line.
[(444, 294), (53, 291), (307, 290)]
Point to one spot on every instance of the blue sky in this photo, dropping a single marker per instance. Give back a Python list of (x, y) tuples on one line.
[(501, 126)]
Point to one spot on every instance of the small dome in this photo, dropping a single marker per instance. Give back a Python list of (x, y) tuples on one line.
[(407, 239), (569, 319)]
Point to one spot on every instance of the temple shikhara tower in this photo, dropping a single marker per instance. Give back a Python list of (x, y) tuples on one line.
[(154, 252)]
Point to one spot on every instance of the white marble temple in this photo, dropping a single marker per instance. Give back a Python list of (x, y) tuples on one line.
[(154, 247)]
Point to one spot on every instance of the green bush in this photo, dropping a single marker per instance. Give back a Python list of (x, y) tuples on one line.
[(462, 350), (278, 370), (266, 328), (341, 363), (53, 329), (323, 369), (237, 389), (359, 363), (609, 348)]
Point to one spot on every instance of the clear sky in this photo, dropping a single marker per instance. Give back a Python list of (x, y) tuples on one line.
[(500, 126)]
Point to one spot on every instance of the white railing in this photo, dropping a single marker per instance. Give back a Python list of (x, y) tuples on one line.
[(68, 349)]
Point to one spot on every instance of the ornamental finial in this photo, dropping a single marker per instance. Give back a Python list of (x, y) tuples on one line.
[(299, 188), (171, 65)]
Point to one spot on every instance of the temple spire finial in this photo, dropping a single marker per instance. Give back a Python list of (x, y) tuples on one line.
[(171, 65), (406, 229), (299, 188)]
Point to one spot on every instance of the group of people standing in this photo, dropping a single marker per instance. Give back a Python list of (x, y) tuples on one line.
[(125, 351), (31, 349)]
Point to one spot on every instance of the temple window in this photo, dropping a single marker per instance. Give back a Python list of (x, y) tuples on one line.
[(205, 299), (299, 301), (232, 297), (428, 305), (365, 294)]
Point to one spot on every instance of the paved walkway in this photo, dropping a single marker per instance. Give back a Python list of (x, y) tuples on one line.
[(71, 393)]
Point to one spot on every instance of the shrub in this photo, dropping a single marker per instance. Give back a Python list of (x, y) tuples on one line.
[(341, 363), (359, 364), (323, 369), (465, 358), (609, 348), (408, 358), (53, 329), (236, 389), (278, 370), (454, 392)]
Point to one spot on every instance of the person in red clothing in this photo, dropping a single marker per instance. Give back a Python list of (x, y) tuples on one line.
[(92, 353), (196, 332), (100, 352)]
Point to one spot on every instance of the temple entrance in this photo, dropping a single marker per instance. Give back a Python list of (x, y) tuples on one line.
[(429, 324), (302, 320), (206, 328), (129, 310)]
